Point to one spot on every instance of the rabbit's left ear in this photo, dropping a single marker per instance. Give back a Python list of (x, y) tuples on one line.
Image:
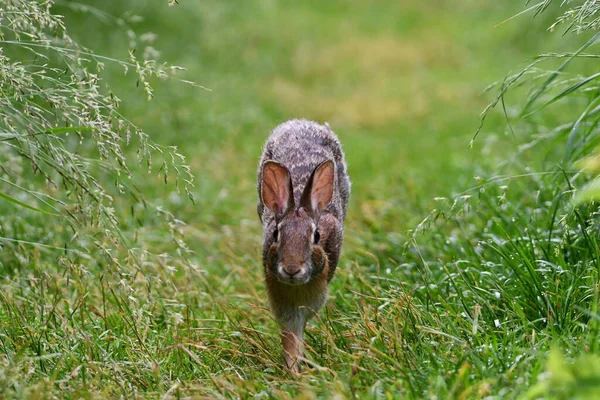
[(319, 188)]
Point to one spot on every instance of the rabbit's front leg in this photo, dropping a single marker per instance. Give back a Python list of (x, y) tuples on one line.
[(292, 349), (292, 333)]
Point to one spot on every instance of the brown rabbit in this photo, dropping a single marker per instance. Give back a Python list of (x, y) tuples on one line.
[(303, 190)]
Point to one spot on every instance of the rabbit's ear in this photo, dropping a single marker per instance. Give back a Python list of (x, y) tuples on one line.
[(276, 188), (319, 189)]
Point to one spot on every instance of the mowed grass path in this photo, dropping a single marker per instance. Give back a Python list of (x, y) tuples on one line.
[(400, 83)]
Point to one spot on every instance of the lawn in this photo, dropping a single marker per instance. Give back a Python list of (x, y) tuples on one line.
[(463, 267)]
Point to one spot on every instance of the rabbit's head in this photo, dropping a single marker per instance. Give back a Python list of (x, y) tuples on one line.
[(293, 239)]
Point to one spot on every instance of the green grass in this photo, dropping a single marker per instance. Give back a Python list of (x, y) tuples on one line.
[(461, 268)]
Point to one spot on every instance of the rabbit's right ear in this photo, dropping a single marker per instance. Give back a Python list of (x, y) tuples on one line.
[(276, 188)]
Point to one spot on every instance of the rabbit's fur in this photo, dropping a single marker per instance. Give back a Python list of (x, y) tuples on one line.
[(303, 189)]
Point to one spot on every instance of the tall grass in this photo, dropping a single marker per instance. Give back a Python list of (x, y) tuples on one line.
[(529, 250), (61, 120), (66, 173)]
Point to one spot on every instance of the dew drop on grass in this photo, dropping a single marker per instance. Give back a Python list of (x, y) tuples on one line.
[(175, 198)]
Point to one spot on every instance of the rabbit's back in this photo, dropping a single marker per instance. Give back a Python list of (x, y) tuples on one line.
[(301, 145)]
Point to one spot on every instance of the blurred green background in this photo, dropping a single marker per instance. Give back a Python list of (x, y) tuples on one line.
[(400, 82)]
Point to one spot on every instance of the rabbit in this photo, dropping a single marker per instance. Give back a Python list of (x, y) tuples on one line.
[(303, 189)]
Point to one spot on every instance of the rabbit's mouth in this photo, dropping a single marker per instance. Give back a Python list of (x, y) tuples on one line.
[(298, 276)]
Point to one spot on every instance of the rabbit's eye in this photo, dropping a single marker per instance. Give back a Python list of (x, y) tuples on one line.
[(317, 237), (276, 234)]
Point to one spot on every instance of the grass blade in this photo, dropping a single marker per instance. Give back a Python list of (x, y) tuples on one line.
[(25, 205), (10, 135), (568, 91), (553, 76)]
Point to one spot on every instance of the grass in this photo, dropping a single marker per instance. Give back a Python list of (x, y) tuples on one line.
[(461, 269)]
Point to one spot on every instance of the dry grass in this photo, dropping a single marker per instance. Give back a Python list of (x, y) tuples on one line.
[(370, 81)]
